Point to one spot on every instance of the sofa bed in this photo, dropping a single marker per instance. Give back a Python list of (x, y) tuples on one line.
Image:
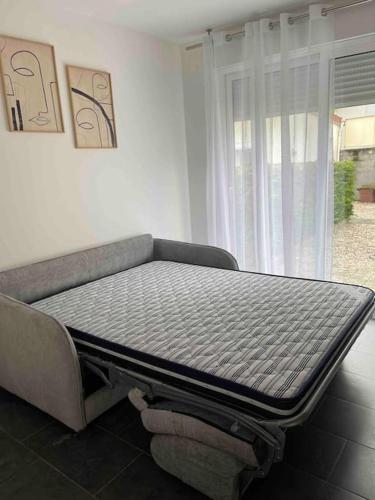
[(218, 361)]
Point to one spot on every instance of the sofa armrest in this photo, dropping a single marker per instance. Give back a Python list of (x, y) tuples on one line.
[(39, 362), (190, 253)]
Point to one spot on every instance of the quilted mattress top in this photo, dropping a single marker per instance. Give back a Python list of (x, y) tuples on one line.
[(266, 333)]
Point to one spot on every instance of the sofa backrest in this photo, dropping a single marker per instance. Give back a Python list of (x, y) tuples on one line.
[(42, 279)]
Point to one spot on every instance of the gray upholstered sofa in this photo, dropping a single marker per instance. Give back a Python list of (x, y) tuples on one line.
[(213, 433), (39, 361)]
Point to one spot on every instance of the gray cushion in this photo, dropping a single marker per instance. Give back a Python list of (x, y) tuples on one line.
[(176, 424), (36, 281), (212, 472)]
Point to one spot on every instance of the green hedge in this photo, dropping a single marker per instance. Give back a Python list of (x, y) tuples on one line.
[(344, 189)]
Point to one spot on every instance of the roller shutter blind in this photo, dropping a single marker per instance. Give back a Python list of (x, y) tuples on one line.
[(301, 78), (354, 85), (355, 80)]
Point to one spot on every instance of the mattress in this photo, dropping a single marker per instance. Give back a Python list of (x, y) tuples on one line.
[(247, 336)]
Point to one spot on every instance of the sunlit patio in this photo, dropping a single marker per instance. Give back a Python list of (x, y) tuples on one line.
[(354, 247)]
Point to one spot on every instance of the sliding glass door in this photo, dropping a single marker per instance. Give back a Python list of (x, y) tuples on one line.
[(354, 169)]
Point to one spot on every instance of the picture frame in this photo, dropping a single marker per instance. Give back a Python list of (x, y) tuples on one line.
[(91, 100), (30, 85)]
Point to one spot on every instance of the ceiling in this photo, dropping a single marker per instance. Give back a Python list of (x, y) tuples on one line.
[(180, 21)]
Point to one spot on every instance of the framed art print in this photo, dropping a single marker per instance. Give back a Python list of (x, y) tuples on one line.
[(92, 108), (30, 86)]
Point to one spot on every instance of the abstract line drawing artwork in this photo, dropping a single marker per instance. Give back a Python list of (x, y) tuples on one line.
[(30, 86), (92, 108)]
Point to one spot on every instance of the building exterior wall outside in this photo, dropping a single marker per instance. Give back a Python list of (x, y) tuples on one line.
[(364, 159), (359, 132)]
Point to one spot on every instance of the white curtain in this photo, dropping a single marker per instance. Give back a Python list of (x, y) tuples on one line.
[(269, 188)]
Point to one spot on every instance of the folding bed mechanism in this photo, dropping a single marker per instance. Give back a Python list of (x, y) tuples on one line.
[(219, 362), (265, 439)]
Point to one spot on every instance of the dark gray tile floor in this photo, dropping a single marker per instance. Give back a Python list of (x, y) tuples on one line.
[(332, 457)]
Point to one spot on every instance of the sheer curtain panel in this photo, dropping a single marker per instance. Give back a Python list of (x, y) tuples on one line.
[(268, 101)]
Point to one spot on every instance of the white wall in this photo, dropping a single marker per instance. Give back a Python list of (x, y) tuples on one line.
[(54, 198), (348, 23), (196, 141)]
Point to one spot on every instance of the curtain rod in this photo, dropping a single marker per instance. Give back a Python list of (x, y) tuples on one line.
[(291, 20)]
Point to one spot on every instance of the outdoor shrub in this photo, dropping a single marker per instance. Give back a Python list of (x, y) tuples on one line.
[(344, 189)]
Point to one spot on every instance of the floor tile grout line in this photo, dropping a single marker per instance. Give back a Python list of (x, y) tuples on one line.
[(19, 442), (364, 339), (142, 452), (350, 372), (36, 432), (351, 402), (308, 473), (102, 488), (56, 469), (350, 491), (346, 370), (38, 456), (341, 488), (123, 440), (325, 481), (337, 460), (13, 474), (361, 352), (349, 440), (305, 471)]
